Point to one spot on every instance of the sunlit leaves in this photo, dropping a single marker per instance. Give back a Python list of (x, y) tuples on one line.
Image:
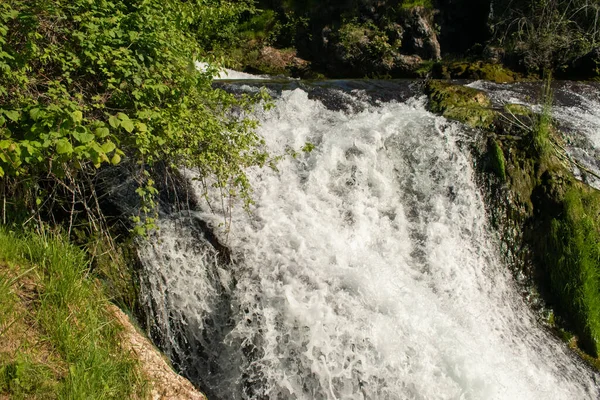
[(64, 147), (84, 84)]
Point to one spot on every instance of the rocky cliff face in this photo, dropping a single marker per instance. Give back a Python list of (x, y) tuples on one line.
[(405, 39)]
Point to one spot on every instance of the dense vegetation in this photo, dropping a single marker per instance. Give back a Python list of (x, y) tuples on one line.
[(546, 34), (84, 84), (407, 38)]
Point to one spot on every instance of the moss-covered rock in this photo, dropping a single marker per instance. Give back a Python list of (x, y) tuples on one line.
[(497, 162), (460, 103), (548, 220), (475, 70), (518, 109), (566, 241)]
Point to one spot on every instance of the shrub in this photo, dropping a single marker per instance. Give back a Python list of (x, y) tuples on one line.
[(85, 84)]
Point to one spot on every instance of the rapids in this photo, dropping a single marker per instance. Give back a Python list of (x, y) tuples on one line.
[(365, 270)]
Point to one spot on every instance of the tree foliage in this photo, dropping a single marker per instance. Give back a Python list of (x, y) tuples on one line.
[(89, 83)]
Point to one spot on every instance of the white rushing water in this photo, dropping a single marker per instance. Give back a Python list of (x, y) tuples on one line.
[(225, 73), (365, 271)]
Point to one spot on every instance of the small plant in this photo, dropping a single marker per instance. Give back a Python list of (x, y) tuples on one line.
[(543, 125), (547, 33)]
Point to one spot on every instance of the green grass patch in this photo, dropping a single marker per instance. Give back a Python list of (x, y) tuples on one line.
[(59, 341), (543, 126)]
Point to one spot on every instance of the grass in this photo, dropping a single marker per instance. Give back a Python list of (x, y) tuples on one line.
[(57, 339), (543, 126)]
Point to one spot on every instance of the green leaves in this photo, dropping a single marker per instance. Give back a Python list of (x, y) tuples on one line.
[(102, 132), (12, 115), (108, 147), (82, 135), (35, 114), (119, 82), (64, 147), (77, 116), (114, 121), (127, 125)]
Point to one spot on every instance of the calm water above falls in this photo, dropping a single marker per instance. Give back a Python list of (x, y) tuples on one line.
[(366, 270)]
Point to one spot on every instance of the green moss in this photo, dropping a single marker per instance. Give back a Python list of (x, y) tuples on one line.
[(425, 68), (497, 161), (475, 70), (460, 103), (570, 253), (495, 73), (410, 4), (518, 109), (521, 172)]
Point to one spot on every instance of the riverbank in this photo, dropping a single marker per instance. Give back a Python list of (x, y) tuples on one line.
[(61, 338)]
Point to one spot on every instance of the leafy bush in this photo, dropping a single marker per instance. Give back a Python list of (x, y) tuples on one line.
[(85, 84), (365, 41)]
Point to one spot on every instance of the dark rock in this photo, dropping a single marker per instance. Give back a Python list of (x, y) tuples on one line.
[(463, 24), (407, 63), (419, 35), (493, 54), (586, 67)]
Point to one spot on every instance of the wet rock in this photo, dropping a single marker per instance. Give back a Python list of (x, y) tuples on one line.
[(272, 61), (460, 103), (408, 63), (419, 35), (493, 54)]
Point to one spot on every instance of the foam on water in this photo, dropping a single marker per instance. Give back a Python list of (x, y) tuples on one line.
[(365, 271), (226, 73)]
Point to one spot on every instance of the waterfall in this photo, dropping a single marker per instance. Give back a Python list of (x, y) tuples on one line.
[(365, 270)]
